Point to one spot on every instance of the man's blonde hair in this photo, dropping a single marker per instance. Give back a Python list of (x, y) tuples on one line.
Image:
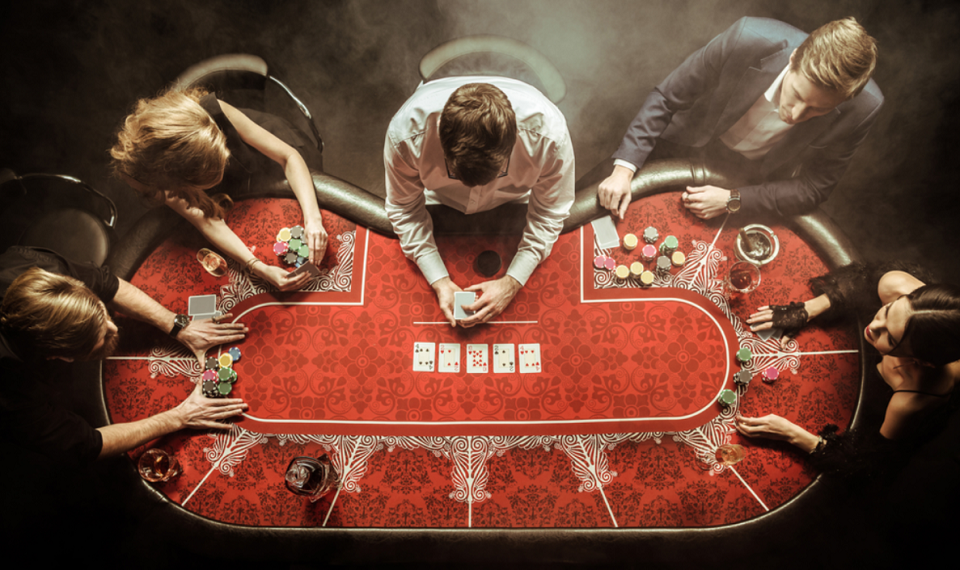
[(170, 144), (54, 315), (839, 56)]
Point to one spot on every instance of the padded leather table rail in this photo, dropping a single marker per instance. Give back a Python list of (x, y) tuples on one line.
[(618, 430)]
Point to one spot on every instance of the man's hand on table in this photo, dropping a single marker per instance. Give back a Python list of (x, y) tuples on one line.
[(494, 297), (199, 411), (706, 201), (614, 192), (445, 288), (200, 335), (775, 427)]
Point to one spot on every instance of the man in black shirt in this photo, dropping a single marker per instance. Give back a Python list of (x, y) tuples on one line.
[(54, 309)]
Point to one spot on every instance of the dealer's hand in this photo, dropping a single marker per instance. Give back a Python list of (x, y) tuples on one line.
[(280, 278), (200, 335), (316, 239), (494, 297), (199, 411), (614, 191), (775, 427), (706, 201), (445, 288)]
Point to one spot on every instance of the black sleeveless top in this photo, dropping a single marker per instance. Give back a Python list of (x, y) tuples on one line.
[(863, 451), (248, 168)]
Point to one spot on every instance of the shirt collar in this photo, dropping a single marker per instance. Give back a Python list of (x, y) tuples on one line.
[(774, 91)]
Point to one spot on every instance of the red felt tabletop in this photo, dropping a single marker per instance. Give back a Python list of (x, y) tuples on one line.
[(618, 428)]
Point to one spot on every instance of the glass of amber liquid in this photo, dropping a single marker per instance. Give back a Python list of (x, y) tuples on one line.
[(157, 466), (744, 277), (213, 263), (730, 454), (311, 477)]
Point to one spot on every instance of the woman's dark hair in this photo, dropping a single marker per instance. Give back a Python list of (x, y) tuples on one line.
[(933, 330)]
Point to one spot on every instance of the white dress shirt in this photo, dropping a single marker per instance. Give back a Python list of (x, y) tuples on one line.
[(541, 168), (757, 131)]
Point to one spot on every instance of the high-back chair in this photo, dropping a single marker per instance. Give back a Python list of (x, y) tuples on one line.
[(494, 55), (241, 72), (57, 212)]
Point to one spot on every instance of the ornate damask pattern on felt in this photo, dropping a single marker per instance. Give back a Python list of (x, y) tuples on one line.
[(593, 481)]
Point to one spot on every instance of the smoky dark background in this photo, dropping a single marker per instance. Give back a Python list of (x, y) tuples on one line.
[(73, 69)]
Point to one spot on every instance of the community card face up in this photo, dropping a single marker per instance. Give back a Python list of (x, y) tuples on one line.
[(423, 356), (449, 357), (529, 358), (477, 359), (503, 359)]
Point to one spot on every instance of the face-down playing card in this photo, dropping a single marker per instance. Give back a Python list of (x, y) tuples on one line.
[(423, 356), (461, 298), (477, 358)]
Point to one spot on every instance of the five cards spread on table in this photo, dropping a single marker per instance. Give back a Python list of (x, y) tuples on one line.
[(507, 358)]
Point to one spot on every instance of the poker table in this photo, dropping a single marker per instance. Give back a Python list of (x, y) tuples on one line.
[(612, 437)]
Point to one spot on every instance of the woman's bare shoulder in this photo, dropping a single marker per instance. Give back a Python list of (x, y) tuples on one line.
[(895, 284)]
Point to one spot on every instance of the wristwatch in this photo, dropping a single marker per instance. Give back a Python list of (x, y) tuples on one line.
[(733, 202), (179, 322)]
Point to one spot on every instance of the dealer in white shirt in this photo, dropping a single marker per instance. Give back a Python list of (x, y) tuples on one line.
[(475, 143)]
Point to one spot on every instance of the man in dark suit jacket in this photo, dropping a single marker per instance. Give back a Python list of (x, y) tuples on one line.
[(796, 107)]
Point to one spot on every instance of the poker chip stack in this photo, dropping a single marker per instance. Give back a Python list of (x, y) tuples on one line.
[(219, 376), (660, 264), (290, 247)]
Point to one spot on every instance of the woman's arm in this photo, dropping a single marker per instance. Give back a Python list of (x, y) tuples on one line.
[(775, 427), (221, 236), (295, 169)]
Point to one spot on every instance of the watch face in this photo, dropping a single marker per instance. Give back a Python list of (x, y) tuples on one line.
[(733, 205)]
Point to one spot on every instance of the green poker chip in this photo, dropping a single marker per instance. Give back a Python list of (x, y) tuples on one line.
[(728, 397)]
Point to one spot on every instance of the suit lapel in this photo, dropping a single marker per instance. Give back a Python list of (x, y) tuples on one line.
[(755, 80)]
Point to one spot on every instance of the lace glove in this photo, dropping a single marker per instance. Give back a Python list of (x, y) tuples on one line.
[(790, 318)]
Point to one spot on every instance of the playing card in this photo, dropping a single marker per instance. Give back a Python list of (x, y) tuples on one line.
[(423, 353), (529, 358), (449, 357), (307, 267), (201, 305), (606, 232), (461, 298), (503, 358), (476, 358), (769, 333)]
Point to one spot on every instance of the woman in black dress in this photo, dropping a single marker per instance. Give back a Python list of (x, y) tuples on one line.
[(188, 150), (917, 333)]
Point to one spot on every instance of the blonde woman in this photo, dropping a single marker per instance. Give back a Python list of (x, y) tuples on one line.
[(190, 151)]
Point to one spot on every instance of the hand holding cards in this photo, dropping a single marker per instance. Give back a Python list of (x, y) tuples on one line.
[(461, 298), (306, 267)]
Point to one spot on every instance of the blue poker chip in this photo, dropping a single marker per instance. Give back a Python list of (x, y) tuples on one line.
[(235, 353)]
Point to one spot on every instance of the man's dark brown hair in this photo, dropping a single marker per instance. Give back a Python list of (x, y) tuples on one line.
[(478, 130)]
